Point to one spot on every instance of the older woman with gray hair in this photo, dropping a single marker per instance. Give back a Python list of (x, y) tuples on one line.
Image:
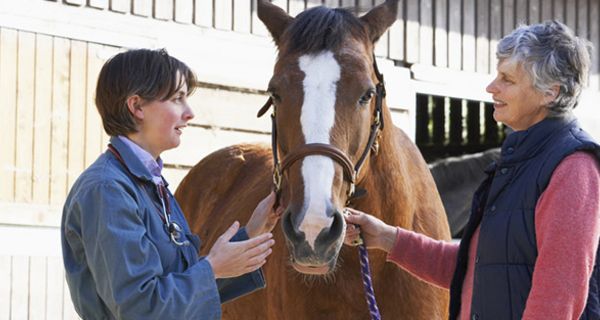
[(530, 249)]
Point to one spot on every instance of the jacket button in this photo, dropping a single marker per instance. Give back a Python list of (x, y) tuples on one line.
[(503, 171), (477, 259), (492, 208), (475, 316), (510, 150)]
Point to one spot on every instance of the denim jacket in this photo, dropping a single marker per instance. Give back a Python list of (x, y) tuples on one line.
[(119, 259)]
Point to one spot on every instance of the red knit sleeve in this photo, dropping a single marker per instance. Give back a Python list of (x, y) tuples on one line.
[(567, 226), (431, 260)]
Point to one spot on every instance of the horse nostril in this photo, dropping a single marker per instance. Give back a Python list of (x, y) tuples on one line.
[(288, 228), (335, 231)]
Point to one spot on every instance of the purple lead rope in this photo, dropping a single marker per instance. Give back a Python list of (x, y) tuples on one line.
[(366, 277)]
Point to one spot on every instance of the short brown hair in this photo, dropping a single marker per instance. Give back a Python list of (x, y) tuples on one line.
[(150, 74)]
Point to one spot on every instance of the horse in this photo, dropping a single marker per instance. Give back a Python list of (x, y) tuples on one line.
[(456, 179), (334, 134)]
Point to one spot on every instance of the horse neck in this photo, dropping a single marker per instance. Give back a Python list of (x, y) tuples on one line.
[(386, 178)]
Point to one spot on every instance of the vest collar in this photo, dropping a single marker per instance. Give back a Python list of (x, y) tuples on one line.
[(525, 144)]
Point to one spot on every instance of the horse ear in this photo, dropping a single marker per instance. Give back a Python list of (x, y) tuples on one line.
[(380, 18), (274, 18)]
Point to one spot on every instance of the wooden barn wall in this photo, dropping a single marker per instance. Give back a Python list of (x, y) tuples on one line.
[(456, 34)]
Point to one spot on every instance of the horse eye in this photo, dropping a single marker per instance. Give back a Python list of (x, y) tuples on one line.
[(366, 97)]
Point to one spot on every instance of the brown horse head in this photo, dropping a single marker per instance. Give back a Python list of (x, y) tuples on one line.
[(322, 89)]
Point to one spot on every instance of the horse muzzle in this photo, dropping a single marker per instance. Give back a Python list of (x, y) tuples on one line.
[(310, 254)]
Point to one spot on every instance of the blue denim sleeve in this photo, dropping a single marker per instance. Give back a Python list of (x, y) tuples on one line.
[(126, 265), (232, 288)]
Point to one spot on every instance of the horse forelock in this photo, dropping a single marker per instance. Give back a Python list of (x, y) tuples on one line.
[(322, 28)]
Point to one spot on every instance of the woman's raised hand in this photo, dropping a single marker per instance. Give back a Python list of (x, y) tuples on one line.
[(232, 259)]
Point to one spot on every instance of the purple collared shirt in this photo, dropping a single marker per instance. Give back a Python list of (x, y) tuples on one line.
[(154, 166)]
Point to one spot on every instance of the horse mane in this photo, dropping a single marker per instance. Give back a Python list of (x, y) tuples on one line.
[(322, 28)]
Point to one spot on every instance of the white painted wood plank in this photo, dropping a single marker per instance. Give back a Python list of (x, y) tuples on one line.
[(203, 13), (242, 15), (163, 9), (68, 309), (223, 12), (5, 279), (535, 11), (313, 3), (546, 10), (25, 101), (74, 2), (60, 124), (582, 19), (54, 287), (508, 23), (441, 33), (77, 106), (396, 35), (93, 123), (595, 39), (521, 12), (412, 31), (426, 33), (196, 143), (122, 6), (483, 41), (295, 7), (42, 119), (46, 244), (495, 31), (37, 287), (98, 4), (229, 109), (142, 7), (184, 11), (19, 287), (454, 35), (559, 10), (469, 46), (571, 14), (8, 101), (332, 3)]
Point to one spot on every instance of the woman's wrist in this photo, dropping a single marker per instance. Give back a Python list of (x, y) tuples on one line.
[(388, 238)]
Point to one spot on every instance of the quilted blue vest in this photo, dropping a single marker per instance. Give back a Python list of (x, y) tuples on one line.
[(504, 206)]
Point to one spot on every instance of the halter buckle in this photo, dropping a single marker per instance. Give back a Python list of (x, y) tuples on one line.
[(277, 177)]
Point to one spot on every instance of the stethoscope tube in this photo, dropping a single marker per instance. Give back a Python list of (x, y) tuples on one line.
[(173, 229)]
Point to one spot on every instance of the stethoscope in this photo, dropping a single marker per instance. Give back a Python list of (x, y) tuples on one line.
[(173, 228)]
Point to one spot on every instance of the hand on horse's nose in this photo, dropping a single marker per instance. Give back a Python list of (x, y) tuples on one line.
[(265, 217)]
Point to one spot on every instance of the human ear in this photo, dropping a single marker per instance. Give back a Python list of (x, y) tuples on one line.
[(134, 104), (551, 94)]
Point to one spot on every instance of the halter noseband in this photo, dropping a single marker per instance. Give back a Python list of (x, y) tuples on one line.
[(350, 171)]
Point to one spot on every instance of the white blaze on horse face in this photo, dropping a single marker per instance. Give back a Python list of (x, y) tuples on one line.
[(322, 73)]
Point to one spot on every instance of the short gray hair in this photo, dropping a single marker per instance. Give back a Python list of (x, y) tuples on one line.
[(551, 54)]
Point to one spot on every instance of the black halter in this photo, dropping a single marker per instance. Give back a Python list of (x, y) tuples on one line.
[(350, 171)]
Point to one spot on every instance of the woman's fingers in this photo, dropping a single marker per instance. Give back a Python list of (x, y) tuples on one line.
[(259, 249), (230, 232)]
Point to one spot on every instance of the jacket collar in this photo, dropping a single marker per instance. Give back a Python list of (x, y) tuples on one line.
[(525, 144), (134, 164)]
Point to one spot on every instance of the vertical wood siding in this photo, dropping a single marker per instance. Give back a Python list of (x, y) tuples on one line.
[(458, 34), (34, 288)]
